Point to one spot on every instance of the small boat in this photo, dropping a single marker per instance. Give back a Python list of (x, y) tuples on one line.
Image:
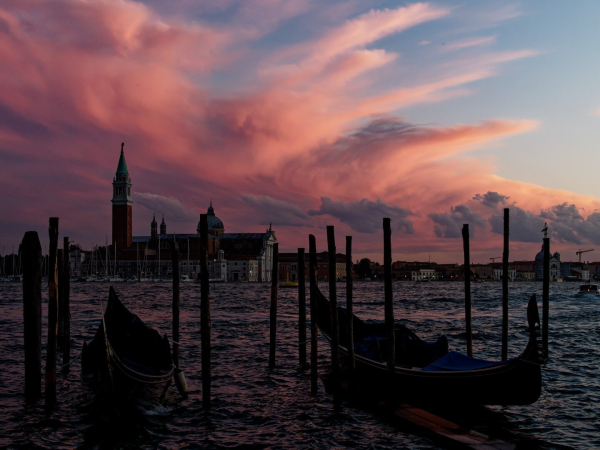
[(126, 357), (288, 283), (426, 373), (588, 289)]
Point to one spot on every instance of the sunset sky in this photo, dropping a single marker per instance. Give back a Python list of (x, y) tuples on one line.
[(304, 114)]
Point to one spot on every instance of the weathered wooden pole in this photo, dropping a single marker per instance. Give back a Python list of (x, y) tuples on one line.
[(505, 289), (301, 308), (333, 314), (273, 309), (465, 235), (312, 274), (205, 312), (50, 380), (546, 297), (31, 252), (60, 336), (349, 306), (389, 296), (175, 265), (66, 299)]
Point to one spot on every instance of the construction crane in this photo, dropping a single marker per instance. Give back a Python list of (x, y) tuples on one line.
[(495, 258), (583, 251)]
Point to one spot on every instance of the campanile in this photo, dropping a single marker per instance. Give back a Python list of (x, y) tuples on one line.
[(121, 209)]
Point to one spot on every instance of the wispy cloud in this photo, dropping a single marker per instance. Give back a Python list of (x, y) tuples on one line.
[(365, 216), (468, 43), (267, 210)]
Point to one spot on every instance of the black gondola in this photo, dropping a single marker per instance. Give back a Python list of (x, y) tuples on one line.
[(426, 373), (126, 357)]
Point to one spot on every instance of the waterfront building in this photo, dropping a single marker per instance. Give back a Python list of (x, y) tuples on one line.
[(288, 266), (555, 271), (231, 256)]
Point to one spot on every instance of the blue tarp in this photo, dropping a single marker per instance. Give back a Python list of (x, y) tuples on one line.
[(458, 361)]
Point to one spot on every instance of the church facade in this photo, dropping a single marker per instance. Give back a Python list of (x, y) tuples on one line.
[(232, 256)]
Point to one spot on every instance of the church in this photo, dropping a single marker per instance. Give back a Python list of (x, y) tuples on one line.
[(231, 256)]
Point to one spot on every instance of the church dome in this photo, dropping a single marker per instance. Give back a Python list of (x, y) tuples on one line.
[(540, 255), (556, 255), (214, 223)]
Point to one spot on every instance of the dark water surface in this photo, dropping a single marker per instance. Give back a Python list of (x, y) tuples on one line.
[(253, 408)]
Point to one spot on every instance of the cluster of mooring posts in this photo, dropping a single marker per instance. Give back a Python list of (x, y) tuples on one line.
[(415, 416), (59, 309), (545, 289), (59, 315)]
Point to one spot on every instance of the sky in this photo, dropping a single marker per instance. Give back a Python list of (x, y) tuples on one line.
[(302, 114)]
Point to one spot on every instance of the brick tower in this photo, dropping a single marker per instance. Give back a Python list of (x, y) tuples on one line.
[(121, 201)]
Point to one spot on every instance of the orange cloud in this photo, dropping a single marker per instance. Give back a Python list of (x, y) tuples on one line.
[(205, 115)]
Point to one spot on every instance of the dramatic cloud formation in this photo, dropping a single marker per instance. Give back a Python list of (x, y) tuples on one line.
[(165, 206), (286, 113), (525, 226), (450, 225), (491, 199), (270, 211), (365, 216)]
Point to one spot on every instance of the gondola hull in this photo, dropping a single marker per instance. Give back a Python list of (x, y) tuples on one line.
[(514, 382), (126, 359)]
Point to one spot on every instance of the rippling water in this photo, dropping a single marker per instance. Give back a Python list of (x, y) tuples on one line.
[(255, 408)]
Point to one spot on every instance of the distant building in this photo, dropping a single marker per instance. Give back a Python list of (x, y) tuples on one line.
[(288, 266), (232, 256), (554, 265)]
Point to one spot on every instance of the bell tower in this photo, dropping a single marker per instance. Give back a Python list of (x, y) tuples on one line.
[(121, 209)]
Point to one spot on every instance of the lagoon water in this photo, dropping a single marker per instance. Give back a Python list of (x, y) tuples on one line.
[(255, 408)]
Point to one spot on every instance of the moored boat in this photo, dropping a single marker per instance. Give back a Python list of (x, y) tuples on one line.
[(588, 289), (426, 373), (126, 357)]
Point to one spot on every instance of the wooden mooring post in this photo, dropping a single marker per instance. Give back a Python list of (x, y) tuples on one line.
[(301, 308), (205, 312), (175, 309), (389, 296), (333, 314), (31, 254), (546, 297), (66, 307), (349, 305), (312, 274), (60, 337), (505, 289), (467, 261), (50, 379), (273, 308)]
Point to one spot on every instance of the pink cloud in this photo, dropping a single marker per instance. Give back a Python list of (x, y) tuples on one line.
[(80, 77)]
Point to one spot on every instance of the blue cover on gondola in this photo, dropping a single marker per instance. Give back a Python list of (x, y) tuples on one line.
[(458, 361)]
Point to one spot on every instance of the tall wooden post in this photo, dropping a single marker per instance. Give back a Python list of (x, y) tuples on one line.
[(273, 309), (50, 381), (205, 312), (389, 295), (312, 273), (66, 299), (31, 253), (175, 265), (301, 308), (349, 305), (333, 313), (60, 336), (505, 289), (465, 235), (546, 297)]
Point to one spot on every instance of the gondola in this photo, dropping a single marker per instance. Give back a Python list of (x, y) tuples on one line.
[(428, 374), (126, 358)]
